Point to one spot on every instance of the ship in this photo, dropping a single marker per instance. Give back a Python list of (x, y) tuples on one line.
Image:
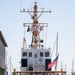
[(36, 58)]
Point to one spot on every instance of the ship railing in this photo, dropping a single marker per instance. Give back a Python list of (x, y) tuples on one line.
[(38, 72)]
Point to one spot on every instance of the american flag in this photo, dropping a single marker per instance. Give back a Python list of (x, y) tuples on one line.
[(51, 64), (42, 28), (33, 28)]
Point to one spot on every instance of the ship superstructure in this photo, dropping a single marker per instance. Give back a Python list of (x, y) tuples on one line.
[(36, 57)]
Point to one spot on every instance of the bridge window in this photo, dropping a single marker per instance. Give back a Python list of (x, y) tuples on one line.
[(46, 54), (24, 53), (41, 54), (30, 54)]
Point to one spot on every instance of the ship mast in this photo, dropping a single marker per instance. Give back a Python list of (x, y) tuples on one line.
[(35, 26), (35, 34)]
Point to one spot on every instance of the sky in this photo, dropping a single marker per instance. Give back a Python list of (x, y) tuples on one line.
[(61, 20)]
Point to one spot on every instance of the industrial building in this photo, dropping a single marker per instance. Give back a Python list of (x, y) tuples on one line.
[(3, 44)]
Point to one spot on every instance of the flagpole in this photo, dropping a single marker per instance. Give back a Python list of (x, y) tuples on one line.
[(56, 50)]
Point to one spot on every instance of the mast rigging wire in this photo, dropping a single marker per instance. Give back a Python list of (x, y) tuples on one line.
[(10, 61), (55, 44), (9, 64), (47, 31), (20, 5), (46, 37)]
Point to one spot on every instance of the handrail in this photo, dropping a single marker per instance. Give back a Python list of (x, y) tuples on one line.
[(39, 72)]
